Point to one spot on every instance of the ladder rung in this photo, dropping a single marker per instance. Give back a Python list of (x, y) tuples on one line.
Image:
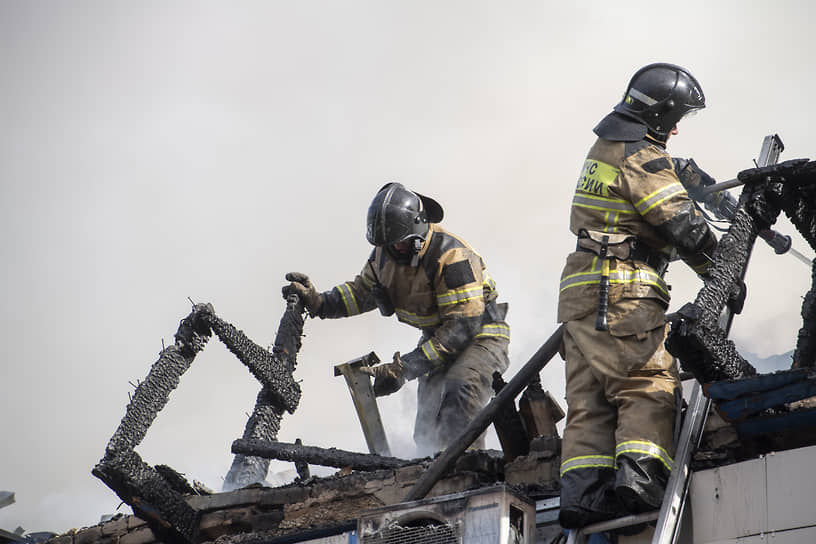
[(625, 521)]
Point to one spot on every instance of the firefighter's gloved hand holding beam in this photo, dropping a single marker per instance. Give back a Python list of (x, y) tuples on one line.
[(302, 286)]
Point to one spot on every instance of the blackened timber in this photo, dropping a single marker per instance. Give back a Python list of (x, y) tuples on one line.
[(302, 467), (290, 331), (157, 494), (264, 423), (697, 339), (509, 427), (327, 457), (805, 353), (151, 496), (799, 205), (273, 373), (719, 358), (152, 394)]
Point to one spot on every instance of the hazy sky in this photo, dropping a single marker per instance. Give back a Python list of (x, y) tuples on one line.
[(160, 150)]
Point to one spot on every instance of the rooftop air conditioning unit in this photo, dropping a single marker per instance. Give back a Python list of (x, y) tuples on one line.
[(493, 515)]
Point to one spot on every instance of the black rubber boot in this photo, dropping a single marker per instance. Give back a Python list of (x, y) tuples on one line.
[(587, 497), (640, 483)]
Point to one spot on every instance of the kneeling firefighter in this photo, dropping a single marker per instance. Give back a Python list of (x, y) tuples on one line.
[(631, 215), (434, 281)]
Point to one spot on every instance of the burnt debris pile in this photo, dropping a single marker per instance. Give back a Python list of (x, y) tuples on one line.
[(698, 336), (156, 494)]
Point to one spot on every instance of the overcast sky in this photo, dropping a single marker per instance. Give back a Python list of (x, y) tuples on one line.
[(160, 150)]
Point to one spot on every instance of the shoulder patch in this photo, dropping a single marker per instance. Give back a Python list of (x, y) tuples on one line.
[(458, 274), (439, 244), (656, 165)]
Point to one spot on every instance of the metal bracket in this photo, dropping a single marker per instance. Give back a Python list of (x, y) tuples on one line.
[(365, 402)]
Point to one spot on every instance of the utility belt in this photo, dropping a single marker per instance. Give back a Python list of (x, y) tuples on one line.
[(623, 247)]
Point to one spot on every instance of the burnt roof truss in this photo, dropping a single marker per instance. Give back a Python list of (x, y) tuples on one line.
[(156, 494), (697, 337)]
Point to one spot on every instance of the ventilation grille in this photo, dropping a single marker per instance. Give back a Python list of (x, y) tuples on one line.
[(427, 534)]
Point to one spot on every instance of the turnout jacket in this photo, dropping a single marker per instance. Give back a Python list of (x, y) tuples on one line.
[(446, 292), (630, 192)]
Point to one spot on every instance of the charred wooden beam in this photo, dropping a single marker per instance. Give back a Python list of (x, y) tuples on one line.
[(271, 369), (798, 204), (328, 457), (157, 494), (509, 426), (152, 394), (697, 337), (263, 424), (152, 497), (805, 353), (302, 467), (276, 367)]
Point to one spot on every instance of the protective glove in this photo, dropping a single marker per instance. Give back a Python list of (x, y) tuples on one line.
[(388, 378), (302, 286), (693, 178), (761, 209)]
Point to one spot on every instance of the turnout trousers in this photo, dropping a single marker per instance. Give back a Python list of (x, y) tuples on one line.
[(449, 398), (618, 440)]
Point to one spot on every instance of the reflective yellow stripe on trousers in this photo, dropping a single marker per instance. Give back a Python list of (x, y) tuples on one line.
[(495, 329), (645, 447), (587, 461)]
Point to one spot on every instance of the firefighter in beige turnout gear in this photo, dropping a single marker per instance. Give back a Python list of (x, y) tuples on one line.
[(631, 214), (434, 281)]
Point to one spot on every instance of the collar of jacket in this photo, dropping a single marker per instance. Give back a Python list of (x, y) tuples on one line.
[(655, 141), (432, 228)]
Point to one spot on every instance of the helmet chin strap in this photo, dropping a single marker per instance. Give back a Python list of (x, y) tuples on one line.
[(409, 257)]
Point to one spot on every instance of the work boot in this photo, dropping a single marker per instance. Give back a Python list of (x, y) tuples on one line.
[(640, 483), (587, 497)]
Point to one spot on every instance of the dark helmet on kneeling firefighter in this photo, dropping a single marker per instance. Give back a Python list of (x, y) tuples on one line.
[(398, 219), (657, 97)]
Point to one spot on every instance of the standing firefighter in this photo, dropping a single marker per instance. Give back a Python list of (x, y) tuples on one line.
[(631, 215), (434, 281)]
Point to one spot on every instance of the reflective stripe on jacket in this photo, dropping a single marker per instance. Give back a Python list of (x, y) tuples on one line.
[(445, 294), (630, 189)]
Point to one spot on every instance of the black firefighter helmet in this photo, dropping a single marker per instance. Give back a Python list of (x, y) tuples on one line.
[(657, 97), (397, 215)]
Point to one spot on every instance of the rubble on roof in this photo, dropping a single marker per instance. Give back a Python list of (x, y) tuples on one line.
[(318, 504), (753, 415)]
